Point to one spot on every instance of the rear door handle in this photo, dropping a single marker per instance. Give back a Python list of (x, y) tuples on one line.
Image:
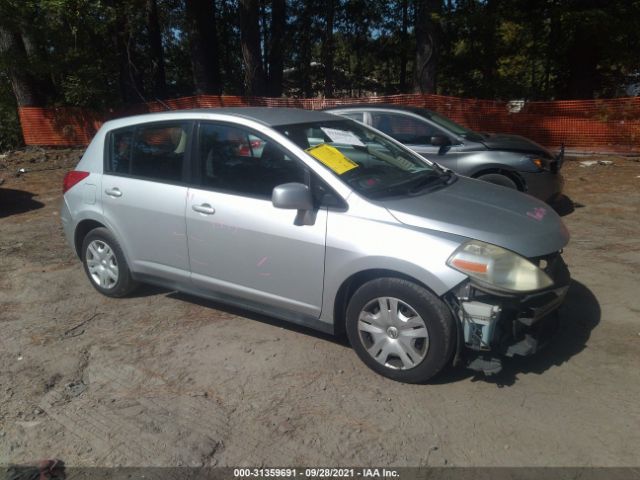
[(204, 208), (113, 192)]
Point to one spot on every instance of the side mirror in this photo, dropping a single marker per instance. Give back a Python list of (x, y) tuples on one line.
[(294, 196), (440, 141)]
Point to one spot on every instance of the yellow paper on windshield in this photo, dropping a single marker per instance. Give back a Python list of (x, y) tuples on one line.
[(332, 158)]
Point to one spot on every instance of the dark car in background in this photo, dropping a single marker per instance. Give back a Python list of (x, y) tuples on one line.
[(508, 160)]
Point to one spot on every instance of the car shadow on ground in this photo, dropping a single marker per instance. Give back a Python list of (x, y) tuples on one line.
[(564, 206), (578, 316), (13, 202), (337, 339), (148, 290)]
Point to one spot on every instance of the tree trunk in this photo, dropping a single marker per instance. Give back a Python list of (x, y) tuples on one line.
[(130, 80), (203, 46), (254, 78), (304, 67), (582, 64), (328, 49), (157, 52), (404, 46), (23, 83), (265, 32), (487, 37), (424, 77), (276, 50)]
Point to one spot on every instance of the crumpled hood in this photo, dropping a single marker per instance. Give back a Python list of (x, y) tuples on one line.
[(483, 211), (514, 143)]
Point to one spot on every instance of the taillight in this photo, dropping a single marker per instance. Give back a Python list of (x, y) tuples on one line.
[(71, 178)]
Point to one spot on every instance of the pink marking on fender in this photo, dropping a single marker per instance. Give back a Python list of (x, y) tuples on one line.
[(538, 213), (262, 261)]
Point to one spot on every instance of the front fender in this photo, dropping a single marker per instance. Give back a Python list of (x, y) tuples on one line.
[(472, 165), (356, 245)]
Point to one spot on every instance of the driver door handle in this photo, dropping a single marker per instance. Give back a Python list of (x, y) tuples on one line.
[(204, 208)]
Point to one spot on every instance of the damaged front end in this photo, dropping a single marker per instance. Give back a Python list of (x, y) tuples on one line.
[(493, 324)]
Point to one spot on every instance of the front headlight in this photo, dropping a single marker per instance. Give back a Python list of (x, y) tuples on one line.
[(539, 162), (498, 267)]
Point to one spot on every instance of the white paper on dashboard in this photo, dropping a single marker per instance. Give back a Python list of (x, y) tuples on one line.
[(342, 136)]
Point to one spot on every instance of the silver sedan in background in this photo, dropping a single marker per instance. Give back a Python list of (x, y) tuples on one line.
[(508, 160)]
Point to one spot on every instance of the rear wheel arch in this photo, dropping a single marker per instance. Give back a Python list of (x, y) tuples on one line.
[(105, 264), (82, 230)]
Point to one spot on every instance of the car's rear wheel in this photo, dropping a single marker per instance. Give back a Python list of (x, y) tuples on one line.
[(499, 179), (400, 329), (105, 265)]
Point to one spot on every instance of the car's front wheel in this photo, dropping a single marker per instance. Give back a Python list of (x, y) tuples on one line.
[(105, 265), (498, 179), (400, 329)]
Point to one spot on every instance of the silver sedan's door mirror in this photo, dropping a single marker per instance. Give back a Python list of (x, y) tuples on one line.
[(295, 196), (440, 141)]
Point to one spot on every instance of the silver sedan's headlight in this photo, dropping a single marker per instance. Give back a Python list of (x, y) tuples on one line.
[(498, 267)]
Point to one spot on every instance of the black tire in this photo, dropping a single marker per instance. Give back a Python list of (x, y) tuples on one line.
[(499, 179), (124, 283), (434, 313)]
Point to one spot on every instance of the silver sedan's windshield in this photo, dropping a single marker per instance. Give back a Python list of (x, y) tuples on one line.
[(361, 157), (454, 127)]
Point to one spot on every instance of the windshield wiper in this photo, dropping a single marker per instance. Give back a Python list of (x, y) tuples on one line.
[(407, 186), (445, 178)]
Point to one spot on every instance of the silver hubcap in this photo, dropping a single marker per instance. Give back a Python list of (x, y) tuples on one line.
[(102, 264), (393, 333)]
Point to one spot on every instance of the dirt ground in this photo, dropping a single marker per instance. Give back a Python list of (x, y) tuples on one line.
[(163, 379)]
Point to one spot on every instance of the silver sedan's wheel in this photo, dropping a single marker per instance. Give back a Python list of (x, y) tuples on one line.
[(499, 179), (102, 264), (393, 333)]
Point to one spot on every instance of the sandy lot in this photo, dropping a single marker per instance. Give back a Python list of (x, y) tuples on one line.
[(165, 379)]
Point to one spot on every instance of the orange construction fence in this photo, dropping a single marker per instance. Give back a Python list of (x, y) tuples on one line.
[(610, 125)]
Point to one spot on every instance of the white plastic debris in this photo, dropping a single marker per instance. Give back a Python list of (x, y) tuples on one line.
[(605, 162), (588, 163), (515, 106)]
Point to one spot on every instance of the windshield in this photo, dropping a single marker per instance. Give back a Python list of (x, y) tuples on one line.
[(453, 127), (362, 158)]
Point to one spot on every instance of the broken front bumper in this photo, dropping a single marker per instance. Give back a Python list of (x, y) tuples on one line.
[(495, 324)]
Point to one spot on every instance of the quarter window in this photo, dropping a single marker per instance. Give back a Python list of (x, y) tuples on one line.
[(240, 161), (155, 151)]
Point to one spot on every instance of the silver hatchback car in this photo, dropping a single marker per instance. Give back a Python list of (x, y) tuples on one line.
[(321, 221)]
